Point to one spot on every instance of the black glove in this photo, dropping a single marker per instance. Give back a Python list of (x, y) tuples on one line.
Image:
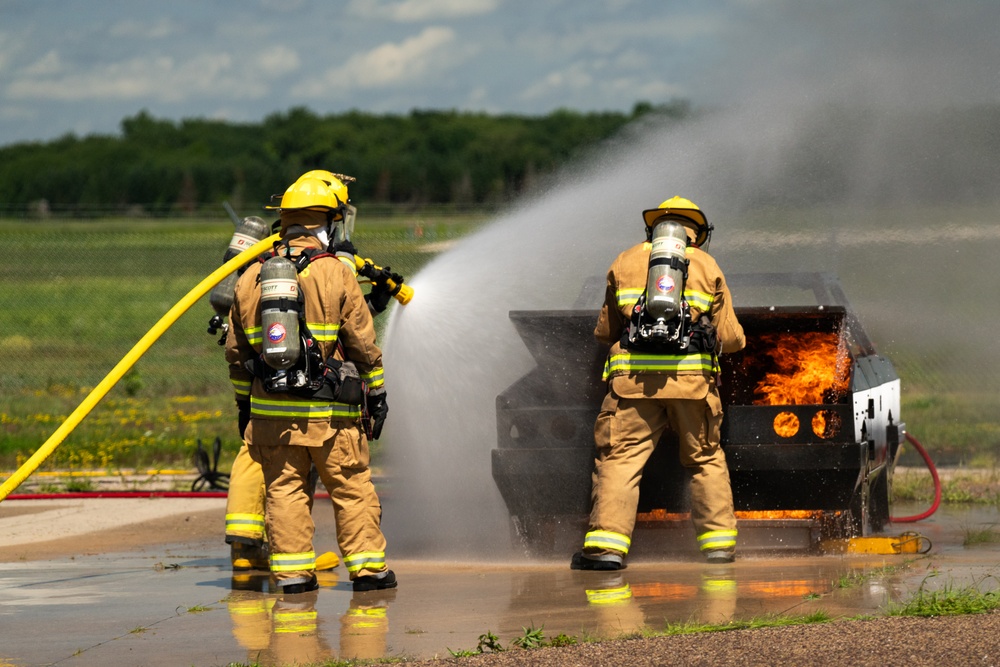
[(379, 410), (343, 247), (244, 418), (378, 298)]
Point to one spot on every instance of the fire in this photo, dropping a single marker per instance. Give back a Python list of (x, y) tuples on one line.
[(812, 368)]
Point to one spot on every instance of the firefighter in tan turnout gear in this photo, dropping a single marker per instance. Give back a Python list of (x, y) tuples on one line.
[(667, 315), (249, 549), (302, 339)]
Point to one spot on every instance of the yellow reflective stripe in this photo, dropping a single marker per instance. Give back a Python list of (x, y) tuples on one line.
[(255, 335), (303, 409), (718, 586), (300, 562), (699, 300), (295, 621), (717, 539), (628, 296), (368, 560), (323, 331), (605, 539), (243, 520), (609, 595), (241, 387), (247, 607), (374, 378), (363, 619), (626, 362), (349, 263)]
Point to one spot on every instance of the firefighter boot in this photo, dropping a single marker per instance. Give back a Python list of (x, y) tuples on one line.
[(249, 556), (582, 561), (720, 556), (377, 582), (299, 586)]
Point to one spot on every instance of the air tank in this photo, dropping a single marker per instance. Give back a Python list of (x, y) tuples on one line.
[(248, 232), (667, 267), (279, 313)]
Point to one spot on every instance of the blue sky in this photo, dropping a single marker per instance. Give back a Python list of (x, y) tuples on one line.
[(82, 65)]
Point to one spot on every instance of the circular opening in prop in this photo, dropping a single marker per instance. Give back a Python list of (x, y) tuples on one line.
[(826, 424), (786, 424)]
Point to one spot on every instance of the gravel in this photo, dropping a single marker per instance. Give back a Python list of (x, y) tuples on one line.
[(904, 641)]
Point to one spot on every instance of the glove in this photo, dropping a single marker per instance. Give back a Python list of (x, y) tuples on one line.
[(345, 247), (244, 418), (378, 298), (379, 410)]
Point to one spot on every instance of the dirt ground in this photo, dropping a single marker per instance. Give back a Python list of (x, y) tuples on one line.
[(193, 526)]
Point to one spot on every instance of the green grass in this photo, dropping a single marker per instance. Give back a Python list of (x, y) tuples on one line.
[(981, 535), (78, 296), (766, 621), (950, 600), (970, 486)]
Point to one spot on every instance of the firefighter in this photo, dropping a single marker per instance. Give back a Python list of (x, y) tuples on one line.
[(291, 426), (653, 385), (245, 534)]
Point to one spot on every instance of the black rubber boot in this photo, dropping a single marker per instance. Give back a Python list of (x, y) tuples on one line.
[(720, 556), (581, 561), (375, 583), (301, 587)]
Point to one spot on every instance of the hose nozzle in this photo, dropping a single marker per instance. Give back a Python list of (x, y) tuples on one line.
[(392, 281)]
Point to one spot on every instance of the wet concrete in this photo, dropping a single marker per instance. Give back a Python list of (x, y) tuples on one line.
[(179, 603)]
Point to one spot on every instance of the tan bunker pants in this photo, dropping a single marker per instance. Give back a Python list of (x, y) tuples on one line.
[(342, 462), (245, 500), (625, 434)]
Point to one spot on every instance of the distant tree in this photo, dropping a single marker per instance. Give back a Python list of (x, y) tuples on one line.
[(426, 156)]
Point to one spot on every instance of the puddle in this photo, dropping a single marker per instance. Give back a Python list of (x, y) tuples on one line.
[(193, 612)]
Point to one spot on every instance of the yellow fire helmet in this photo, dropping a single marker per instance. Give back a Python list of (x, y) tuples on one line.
[(313, 194), (684, 208)]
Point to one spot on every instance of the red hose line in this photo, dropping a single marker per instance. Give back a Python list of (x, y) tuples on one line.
[(937, 486), (125, 494)]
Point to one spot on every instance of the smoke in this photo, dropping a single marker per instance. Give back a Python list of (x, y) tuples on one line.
[(853, 138)]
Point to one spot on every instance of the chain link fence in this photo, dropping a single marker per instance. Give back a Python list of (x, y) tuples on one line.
[(79, 294)]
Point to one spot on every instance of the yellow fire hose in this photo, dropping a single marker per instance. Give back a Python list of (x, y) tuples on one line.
[(109, 381)]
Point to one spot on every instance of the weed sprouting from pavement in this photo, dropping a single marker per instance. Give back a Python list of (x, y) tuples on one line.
[(858, 578)]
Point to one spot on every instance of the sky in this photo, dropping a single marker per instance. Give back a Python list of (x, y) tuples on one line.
[(81, 66)]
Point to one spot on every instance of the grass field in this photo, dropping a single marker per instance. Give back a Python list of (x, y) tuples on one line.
[(78, 295)]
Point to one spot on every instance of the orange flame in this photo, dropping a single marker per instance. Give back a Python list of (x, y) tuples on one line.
[(812, 368)]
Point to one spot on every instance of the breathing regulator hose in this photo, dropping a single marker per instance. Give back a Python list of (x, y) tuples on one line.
[(937, 486), (123, 366)]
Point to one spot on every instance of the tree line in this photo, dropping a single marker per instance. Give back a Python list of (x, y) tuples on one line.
[(164, 167)]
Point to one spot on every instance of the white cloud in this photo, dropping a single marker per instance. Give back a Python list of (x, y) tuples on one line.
[(47, 65), (391, 64), (143, 30), (277, 60), (158, 78), (18, 113), (571, 79), (409, 11), (599, 85)]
